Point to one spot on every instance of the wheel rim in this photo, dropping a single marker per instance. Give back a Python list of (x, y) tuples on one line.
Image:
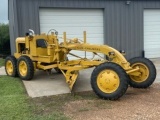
[(108, 81), (22, 68), (143, 69), (9, 67)]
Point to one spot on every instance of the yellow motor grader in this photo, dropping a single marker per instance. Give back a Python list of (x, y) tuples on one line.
[(109, 79)]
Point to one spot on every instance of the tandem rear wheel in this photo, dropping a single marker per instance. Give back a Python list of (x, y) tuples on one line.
[(25, 68), (11, 66)]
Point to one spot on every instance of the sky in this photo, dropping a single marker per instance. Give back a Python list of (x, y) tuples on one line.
[(3, 11)]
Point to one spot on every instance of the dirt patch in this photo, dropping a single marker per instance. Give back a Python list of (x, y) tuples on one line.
[(136, 104)]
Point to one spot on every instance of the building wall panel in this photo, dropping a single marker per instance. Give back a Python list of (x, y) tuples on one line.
[(123, 24)]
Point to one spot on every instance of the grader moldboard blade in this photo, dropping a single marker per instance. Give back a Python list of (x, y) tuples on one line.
[(71, 77)]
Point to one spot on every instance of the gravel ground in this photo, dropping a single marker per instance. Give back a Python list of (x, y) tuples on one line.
[(136, 104)]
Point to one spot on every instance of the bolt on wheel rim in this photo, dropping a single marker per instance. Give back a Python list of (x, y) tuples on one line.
[(9, 67), (22, 68), (143, 69), (108, 81)]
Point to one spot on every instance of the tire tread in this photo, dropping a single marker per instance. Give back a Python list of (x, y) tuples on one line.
[(30, 68), (14, 62), (123, 81), (152, 73)]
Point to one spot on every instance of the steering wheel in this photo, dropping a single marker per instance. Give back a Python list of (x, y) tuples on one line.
[(55, 31)]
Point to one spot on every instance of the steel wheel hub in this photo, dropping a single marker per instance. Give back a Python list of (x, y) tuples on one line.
[(23, 68), (108, 81), (143, 69), (9, 67)]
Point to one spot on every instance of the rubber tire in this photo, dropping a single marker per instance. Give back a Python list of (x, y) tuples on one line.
[(152, 73), (30, 68), (14, 62), (122, 76)]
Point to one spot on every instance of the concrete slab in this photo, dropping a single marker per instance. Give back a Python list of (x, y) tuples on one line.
[(45, 85), (2, 71)]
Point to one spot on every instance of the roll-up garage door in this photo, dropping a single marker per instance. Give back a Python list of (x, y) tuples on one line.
[(152, 33), (74, 22)]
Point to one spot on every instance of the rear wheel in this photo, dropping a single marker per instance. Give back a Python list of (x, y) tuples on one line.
[(25, 68), (11, 66), (147, 70), (109, 81)]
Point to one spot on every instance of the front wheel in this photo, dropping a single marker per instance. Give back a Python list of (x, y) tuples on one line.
[(109, 81), (147, 73)]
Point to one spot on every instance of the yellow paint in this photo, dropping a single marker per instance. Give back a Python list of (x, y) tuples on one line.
[(23, 68), (44, 67), (143, 70), (108, 81), (9, 67), (72, 79)]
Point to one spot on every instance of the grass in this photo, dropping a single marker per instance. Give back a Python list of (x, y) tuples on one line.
[(83, 109), (16, 105), (2, 62)]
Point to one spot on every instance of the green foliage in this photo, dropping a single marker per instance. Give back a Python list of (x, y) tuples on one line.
[(4, 31), (2, 62), (4, 39)]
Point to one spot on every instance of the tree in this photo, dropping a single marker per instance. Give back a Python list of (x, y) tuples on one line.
[(4, 39)]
